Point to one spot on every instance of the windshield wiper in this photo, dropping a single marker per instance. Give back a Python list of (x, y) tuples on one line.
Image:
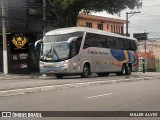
[(55, 53)]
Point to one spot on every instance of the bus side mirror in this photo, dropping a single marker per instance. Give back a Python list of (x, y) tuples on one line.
[(36, 43), (69, 41)]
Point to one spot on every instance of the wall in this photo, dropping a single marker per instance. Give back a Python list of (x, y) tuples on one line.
[(82, 22), (19, 18), (152, 54)]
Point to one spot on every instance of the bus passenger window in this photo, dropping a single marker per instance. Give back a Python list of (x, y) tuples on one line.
[(86, 42), (73, 49), (124, 45), (85, 45), (106, 42), (78, 44), (109, 42), (134, 45), (114, 44)]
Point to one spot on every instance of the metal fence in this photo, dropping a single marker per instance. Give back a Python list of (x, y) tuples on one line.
[(151, 65)]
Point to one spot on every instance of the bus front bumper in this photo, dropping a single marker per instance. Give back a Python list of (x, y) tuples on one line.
[(57, 67)]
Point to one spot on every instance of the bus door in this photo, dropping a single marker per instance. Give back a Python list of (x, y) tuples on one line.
[(74, 54)]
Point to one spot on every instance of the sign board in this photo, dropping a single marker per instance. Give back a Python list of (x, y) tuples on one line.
[(19, 44), (140, 36), (19, 49)]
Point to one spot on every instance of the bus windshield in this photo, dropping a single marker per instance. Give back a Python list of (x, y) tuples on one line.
[(54, 51), (55, 47)]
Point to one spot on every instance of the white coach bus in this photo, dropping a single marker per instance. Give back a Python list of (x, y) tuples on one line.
[(81, 50)]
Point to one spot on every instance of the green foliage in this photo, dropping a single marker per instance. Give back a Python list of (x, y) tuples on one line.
[(112, 6), (66, 11)]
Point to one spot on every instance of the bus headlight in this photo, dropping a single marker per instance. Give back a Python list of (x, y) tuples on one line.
[(65, 63)]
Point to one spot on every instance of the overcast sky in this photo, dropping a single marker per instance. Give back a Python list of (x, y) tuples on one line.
[(146, 21)]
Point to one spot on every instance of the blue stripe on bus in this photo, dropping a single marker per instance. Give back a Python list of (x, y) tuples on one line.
[(120, 56)]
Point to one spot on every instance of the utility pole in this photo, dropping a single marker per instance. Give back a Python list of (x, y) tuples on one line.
[(5, 57), (127, 21), (44, 17), (127, 24), (145, 46)]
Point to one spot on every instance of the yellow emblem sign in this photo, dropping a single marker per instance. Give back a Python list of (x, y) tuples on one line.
[(19, 42)]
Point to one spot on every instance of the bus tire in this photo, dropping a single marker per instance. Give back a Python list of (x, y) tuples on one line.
[(128, 69), (123, 70), (59, 76), (102, 74), (86, 71)]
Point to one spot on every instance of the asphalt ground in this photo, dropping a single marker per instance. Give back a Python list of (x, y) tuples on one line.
[(13, 84)]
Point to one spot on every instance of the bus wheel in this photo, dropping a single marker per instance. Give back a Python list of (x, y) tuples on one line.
[(128, 69), (102, 74), (86, 71), (59, 76), (123, 71)]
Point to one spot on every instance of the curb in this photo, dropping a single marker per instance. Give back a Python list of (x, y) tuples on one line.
[(7, 77), (65, 86)]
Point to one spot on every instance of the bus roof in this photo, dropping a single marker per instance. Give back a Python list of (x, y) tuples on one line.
[(85, 29)]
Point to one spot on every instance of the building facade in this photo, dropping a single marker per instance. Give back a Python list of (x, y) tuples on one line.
[(102, 23), (24, 25), (150, 51), (22, 15)]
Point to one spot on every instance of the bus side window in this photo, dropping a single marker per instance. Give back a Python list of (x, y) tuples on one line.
[(118, 44), (109, 43), (106, 42), (115, 43), (78, 44), (134, 45), (73, 49), (89, 40), (129, 44), (124, 45), (86, 42), (100, 41)]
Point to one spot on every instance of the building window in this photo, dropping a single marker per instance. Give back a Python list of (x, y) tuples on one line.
[(107, 26), (88, 24), (118, 29), (111, 28), (114, 29), (121, 29), (100, 26)]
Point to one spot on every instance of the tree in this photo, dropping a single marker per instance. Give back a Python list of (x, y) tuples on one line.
[(66, 11)]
